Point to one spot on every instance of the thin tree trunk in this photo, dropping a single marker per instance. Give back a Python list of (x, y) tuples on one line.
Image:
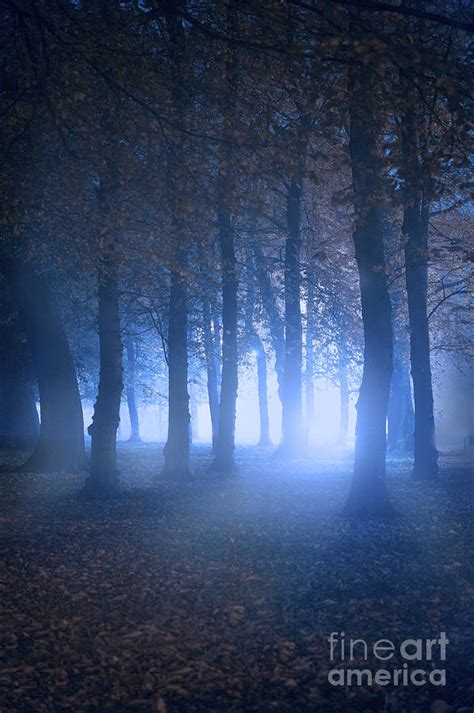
[(176, 450), (104, 477), (194, 409), (415, 230), (61, 442), (343, 392), (368, 495), (275, 321), (211, 368), (255, 343), (160, 421), (265, 438), (131, 392), (292, 439), (224, 452), (309, 371), (408, 412), (400, 410)]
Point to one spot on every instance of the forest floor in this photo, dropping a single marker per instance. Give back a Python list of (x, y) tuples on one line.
[(220, 596)]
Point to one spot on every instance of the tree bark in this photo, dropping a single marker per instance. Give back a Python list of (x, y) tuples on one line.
[(224, 455), (415, 231), (131, 392), (255, 343), (19, 422), (61, 441), (194, 413), (400, 411), (265, 438), (224, 452), (343, 392), (210, 349), (275, 321), (103, 479), (176, 450), (309, 371), (292, 438), (368, 495)]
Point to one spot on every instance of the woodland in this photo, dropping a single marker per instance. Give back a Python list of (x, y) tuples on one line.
[(236, 382)]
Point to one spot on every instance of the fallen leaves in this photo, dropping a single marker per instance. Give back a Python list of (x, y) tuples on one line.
[(178, 600)]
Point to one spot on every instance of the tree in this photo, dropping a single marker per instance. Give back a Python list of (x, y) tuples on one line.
[(103, 477), (368, 495), (415, 230), (61, 440), (19, 422), (131, 392), (224, 450)]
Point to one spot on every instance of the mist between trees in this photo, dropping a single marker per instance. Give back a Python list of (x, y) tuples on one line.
[(197, 195)]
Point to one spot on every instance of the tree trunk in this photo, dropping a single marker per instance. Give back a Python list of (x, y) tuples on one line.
[(275, 321), (210, 348), (415, 230), (265, 439), (160, 421), (103, 478), (224, 453), (343, 392), (368, 495), (408, 413), (131, 393), (292, 438), (255, 343), (176, 450), (400, 411), (309, 372), (19, 422), (61, 442), (194, 409)]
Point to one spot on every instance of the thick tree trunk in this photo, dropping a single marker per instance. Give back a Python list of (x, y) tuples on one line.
[(368, 495), (176, 450), (224, 453), (61, 442), (210, 349), (292, 438), (103, 478), (415, 229), (131, 393), (19, 422)]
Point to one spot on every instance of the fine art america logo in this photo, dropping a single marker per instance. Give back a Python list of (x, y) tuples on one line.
[(420, 661)]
